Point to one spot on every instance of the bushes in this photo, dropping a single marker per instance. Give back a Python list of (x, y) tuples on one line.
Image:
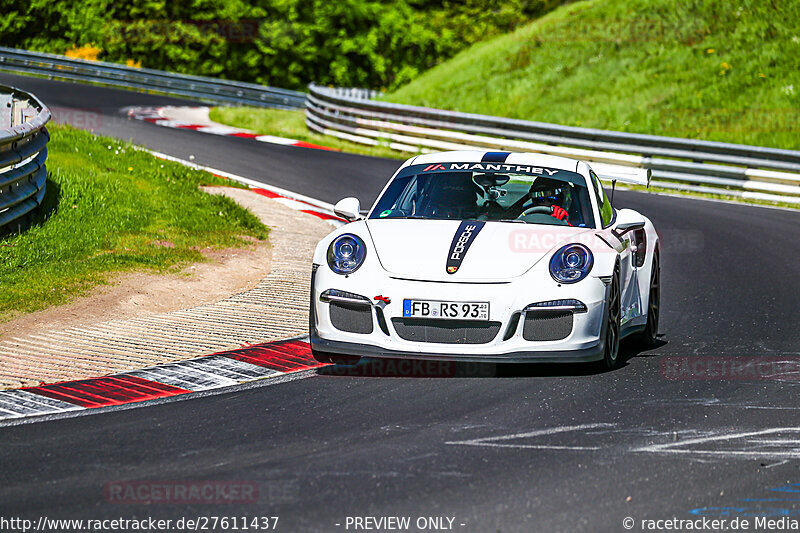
[(285, 43)]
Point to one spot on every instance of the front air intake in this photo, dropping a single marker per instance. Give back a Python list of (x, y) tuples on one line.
[(352, 318), (446, 331), (547, 325)]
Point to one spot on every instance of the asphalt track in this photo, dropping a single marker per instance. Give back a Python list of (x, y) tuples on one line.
[(532, 448)]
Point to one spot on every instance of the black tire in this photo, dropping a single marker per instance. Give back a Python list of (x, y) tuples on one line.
[(321, 357), (611, 357), (649, 337)]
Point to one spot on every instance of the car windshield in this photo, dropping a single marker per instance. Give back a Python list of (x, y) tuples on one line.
[(491, 192)]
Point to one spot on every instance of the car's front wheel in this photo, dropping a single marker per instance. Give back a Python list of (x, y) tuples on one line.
[(611, 358), (648, 337)]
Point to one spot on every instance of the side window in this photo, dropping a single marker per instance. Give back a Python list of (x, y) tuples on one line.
[(606, 211)]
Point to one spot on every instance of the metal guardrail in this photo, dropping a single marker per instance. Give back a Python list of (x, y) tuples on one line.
[(23, 151), (751, 172), (197, 87)]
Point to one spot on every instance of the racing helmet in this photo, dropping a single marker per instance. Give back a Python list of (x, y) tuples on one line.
[(548, 191)]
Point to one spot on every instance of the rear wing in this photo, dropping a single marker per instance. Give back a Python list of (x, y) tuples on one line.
[(632, 175)]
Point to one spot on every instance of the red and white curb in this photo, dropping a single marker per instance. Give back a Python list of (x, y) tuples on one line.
[(215, 371), (293, 200), (161, 116)]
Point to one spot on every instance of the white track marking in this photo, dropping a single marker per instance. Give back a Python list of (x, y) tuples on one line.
[(747, 449), (493, 442)]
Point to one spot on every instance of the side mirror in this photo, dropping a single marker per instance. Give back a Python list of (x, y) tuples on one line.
[(627, 220), (348, 208)]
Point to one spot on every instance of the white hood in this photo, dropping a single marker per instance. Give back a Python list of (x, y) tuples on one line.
[(418, 249)]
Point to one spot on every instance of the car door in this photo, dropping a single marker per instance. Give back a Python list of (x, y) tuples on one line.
[(630, 301)]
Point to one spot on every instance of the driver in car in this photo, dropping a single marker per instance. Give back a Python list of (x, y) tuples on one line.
[(545, 192)]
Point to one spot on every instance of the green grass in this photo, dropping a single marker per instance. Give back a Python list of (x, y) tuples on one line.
[(291, 124), (110, 208), (708, 69)]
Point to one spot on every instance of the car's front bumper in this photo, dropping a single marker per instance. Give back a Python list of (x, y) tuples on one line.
[(584, 343), (585, 355)]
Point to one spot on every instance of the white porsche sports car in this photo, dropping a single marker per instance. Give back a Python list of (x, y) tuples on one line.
[(487, 256)]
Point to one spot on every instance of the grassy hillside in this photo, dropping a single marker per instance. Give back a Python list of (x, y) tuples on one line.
[(110, 208), (709, 69)]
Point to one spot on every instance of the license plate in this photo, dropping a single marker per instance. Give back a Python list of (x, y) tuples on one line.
[(446, 310)]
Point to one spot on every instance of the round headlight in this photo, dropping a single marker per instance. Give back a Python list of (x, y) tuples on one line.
[(571, 263), (346, 253)]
